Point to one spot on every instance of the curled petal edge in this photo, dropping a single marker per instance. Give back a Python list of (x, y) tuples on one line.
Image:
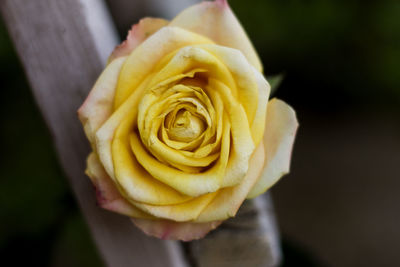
[(280, 131), (97, 107), (216, 20)]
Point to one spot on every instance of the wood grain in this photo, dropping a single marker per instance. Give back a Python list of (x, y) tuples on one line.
[(63, 50), (249, 239)]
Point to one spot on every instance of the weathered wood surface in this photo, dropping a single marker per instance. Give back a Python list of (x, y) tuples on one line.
[(249, 239), (63, 45)]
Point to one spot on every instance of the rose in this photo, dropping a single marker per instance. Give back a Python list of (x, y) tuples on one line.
[(176, 123)]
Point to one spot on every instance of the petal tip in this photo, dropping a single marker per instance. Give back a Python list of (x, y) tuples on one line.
[(136, 35), (223, 3)]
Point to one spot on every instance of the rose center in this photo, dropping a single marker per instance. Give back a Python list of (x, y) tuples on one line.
[(186, 127)]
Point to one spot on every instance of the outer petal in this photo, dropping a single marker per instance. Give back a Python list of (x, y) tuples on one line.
[(280, 131), (217, 21), (165, 229), (97, 107), (107, 194), (138, 33), (183, 212), (258, 124), (228, 200)]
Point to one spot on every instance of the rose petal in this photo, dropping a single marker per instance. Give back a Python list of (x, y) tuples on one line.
[(191, 184), (108, 196), (137, 184), (242, 144), (183, 212), (229, 199), (217, 21), (258, 124), (97, 107), (165, 229), (251, 86), (137, 34), (194, 57), (280, 130), (242, 72), (146, 56)]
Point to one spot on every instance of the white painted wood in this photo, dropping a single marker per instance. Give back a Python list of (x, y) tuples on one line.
[(170, 8), (101, 28), (63, 45)]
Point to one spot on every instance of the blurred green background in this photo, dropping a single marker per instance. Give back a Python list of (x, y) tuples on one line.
[(341, 61)]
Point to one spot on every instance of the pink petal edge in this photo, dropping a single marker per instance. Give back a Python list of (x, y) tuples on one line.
[(107, 195), (170, 230), (136, 35)]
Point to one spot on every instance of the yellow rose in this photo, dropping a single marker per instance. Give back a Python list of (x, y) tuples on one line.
[(176, 122)]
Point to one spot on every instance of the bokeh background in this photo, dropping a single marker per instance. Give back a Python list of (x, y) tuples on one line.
[(340, 204)]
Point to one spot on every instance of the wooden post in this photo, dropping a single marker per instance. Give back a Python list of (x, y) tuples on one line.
[(249, 239), (63, 46)]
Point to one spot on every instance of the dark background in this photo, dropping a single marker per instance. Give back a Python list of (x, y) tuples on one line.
[(340, 204)]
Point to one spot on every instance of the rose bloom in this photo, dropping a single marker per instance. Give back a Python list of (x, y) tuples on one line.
[(181, 127)]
